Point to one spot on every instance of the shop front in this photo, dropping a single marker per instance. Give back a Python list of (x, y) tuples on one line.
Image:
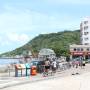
[(80, 51)]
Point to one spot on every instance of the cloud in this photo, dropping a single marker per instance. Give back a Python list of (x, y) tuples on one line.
[(17, 24), (11, 41), (14, 38), (18, 20), (18, 38)]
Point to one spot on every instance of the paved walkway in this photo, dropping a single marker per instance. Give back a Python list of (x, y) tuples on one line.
[(62, 80), (6, 82), (77, 82)]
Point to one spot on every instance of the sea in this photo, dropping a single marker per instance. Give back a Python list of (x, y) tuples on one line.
[(8, 61)]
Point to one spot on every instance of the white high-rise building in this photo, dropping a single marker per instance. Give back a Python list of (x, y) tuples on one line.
[(85, 31)]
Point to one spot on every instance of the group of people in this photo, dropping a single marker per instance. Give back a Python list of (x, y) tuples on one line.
[(76, 65), (50, 66)]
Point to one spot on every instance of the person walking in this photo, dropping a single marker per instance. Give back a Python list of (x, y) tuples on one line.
[(47, 67), (54, 66), (83, 64), (75, 67)]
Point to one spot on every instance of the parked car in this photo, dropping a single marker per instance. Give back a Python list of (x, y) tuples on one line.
[(88, 61), (39, 64)]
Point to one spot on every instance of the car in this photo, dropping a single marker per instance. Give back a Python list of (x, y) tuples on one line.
[(39, 64), (88, 61)]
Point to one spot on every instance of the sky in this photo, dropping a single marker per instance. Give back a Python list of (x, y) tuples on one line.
[(22, 20)]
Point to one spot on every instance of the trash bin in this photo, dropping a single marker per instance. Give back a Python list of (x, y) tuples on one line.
[(17, 68), (33, 70), (27, 69), (23, 69)]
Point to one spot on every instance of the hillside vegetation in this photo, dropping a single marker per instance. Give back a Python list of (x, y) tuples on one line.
[(59, 42)]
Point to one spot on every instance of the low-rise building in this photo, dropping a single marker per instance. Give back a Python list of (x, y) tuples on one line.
[(46, 53), (77, 51)]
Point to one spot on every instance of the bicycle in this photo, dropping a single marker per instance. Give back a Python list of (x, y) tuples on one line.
[(46, 72)]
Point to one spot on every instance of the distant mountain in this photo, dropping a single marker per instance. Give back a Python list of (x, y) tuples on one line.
[(59, 42)]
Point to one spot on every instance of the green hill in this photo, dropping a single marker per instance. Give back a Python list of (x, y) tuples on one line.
[(59, 42)]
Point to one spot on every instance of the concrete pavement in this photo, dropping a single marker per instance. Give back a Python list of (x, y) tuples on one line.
[(62, 80), (75, 82)]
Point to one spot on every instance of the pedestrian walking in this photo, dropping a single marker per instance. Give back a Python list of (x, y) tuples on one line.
[(46, 67), (75, 67), (83, 64), (54, 66)]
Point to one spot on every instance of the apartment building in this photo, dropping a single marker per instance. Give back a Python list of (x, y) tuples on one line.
[(85, 31)]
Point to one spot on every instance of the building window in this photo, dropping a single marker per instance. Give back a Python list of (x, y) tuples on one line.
[(81, 49), (85, 39), (75, 49), (85, 22), (86, 27), (85, 33), (88, 49), (78, 49)]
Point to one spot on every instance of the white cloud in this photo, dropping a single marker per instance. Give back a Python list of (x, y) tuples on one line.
[(14, 38), (14, 23), (24, 38), (18, 38), (11, 41), (18, 20)]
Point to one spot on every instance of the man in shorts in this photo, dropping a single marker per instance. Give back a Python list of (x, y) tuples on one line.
[(47, 65), (54, 66)]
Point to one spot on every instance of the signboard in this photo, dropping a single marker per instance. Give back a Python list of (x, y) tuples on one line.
[(77, 53), (80, 53), (88, 53)]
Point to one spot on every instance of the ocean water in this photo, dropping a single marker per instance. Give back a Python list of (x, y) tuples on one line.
[(8, 61)]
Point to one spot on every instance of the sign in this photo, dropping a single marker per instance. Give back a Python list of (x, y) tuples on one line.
[(88, 53), (77, 53), (80, 53)]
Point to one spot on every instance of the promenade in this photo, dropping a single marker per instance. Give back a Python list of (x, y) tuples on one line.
[(80, 82), (61, 81)]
